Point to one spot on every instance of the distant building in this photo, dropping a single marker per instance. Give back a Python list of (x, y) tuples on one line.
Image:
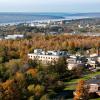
[(39, 24), (94, 85), (47, 57), (98, 59), (80, 26), (42, 25), (94, 55), (15, 36), (74, 62), (94, 61)]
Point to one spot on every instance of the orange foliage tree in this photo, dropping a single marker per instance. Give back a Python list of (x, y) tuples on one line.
[(81, 92)]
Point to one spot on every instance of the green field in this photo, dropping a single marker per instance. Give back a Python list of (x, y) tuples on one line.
[(96, 99), (71, 85)]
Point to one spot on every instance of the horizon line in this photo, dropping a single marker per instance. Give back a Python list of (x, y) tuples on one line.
[(44, 12)]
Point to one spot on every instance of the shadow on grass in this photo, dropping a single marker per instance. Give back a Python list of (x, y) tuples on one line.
[(66, 94)]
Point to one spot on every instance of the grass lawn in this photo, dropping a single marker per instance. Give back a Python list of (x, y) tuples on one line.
[(72, 84), (95, 99)]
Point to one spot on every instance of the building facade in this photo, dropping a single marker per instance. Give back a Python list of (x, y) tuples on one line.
[(47, 57), (94, 85)]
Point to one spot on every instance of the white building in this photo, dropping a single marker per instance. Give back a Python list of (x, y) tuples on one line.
[(74, 63), (47, 57), (42, 25), (15, 36), (94, 61), (94, 85), (98, 59), (39, 24)]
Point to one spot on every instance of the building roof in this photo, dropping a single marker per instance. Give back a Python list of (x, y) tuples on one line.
[(49, 53)]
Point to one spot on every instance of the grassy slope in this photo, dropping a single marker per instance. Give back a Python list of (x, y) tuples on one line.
[(96, 99), (71, 84)]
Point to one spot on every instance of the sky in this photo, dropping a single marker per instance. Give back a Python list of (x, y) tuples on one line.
[(50, 6)]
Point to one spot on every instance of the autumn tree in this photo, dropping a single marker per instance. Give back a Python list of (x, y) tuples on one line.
[(81, 92), (21, 83), (32, 72), (9, 90)]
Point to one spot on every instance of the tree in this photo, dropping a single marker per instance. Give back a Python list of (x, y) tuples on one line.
[(12, 67), (9, 91), (58, 67), (3, 54), (31, 88), (3, 74), (1, 92), (32, 63), (77, 72), (39, 90), (21, 83), (81, 92), (32, 72)]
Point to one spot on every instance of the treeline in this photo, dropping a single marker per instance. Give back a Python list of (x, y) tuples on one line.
[(14, 49), (28, 30)]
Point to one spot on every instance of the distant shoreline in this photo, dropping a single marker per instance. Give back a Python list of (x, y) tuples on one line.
[(18, 18)]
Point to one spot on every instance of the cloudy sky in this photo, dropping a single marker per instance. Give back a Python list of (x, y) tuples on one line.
[(49, 5)]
